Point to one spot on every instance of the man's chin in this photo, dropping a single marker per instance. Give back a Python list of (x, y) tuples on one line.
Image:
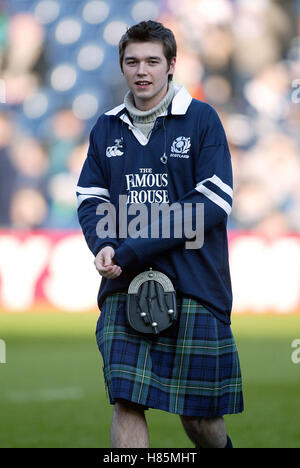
[(143, 97), (143, 93)]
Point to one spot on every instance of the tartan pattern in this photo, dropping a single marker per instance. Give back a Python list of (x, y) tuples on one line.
[(191, 369)]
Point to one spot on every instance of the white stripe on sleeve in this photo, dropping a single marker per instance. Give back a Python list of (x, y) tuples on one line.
[(81, 198), (214, 198), (217, 181), (93, 191)]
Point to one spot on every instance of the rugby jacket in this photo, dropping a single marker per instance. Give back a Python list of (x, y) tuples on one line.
[(186, 159)]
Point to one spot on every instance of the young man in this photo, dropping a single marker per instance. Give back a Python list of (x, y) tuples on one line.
[(161, 146)]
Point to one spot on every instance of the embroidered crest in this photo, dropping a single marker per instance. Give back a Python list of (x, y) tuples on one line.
[(181, 145)]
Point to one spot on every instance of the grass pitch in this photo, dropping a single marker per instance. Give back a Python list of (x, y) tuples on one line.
[(52, 392)]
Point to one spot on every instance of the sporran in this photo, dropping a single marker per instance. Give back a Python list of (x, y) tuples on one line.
[(151, 303)]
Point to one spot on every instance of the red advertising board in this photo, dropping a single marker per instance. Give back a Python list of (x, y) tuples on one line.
[(54, 269)]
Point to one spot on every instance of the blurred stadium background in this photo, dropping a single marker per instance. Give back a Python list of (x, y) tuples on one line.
[(58, 71)]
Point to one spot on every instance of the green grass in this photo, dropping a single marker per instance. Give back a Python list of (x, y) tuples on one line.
[(52, 392)]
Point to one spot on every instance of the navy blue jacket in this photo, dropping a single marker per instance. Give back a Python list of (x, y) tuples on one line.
[(186, 160)]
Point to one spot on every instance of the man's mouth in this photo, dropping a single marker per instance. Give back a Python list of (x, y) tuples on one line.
[(143, 84)]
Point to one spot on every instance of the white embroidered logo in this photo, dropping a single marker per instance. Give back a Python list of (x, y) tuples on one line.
[(115, 150), (181, 145)]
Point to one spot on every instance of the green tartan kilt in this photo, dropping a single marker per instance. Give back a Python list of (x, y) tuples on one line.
[(191, 369)]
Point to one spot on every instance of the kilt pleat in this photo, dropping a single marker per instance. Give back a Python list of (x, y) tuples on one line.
[(191, 369)]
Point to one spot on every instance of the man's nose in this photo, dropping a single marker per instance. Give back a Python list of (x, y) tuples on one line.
[(141, 71)]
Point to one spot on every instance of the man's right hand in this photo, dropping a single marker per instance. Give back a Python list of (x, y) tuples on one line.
[(105, 264)]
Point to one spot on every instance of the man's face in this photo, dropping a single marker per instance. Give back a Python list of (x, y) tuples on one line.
[(146, 72)]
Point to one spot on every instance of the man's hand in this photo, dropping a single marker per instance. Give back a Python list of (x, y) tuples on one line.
[(105, 264)]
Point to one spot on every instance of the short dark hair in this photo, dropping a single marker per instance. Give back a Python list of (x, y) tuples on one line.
[(149, 31)]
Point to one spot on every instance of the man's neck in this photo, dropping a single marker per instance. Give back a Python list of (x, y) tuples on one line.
[(144, 120), (161, 105)]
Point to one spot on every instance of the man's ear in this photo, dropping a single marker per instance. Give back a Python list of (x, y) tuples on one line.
[(171, 69), (172, 66)]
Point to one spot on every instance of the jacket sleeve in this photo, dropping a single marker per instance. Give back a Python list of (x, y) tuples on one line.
[(213, 189), (92, 191)]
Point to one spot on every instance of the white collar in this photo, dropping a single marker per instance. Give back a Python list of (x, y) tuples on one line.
[(180, 103)]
